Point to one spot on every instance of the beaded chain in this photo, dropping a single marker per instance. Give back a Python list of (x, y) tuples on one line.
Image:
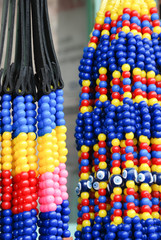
[(122, 128)]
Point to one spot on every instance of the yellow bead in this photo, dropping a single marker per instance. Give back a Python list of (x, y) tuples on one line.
[(130, 184), (97, 195), (96, 147), (79, 200), (108, 207), (33, 166), (135, 7), (61, 144), (102, 137), (112, 196), (116, 74), (144, 167), (85, 83), (126, 29), (116, 142), (155, 187), (157, 29), (114, 16), (91, 215), (103, 98), (6, 166), (129, 164), (100, 20), (125, 67), (116, 170), (131, 213), (84, 148), (146, 215), (151, 74), (129, 135), (6, 143), (137, 71), (122, 144), (98, 81), (84, 195), (6, 151), (6, 136), (127, 94), (102, 165), (115, 102), (152, 101), (144, 187), (86, 223), (147, 35), (102, 213), (105, 32), (93, 45), (136, 188), (62, 129), (63, 159), (22, 137), (25, 168), (143, 74), (158, 78), (117, 220), (31, 143), (144, 11), (102, 70), (84, 176), (6, 158), (50, 168), (117, 191), (159, 168), (79, 227), (143, 139), (32, 158), (103, 185), (84, 109), (155, 215), (138, 99), (31, 136)]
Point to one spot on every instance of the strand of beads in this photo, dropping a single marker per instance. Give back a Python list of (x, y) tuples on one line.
[(6, 159), (24, 205)]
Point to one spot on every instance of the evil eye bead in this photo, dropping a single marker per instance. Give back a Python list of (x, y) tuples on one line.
[(100, 175), (141, 177), (117, 180), (89, 184), (96, 186), (124, 174)]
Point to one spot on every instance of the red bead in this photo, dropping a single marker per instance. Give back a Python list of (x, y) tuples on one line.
[(94, 39), (7, 189), (119, 18), (153, 10), (79, 207), (15, 202), (96, 168), (112, 217), (155, 208), (116, 95), (85, 202), (6, 197), (91, 208), (126, 74), (143, 145), (96, 154), (136, 195), (34, 205), (97, 26), (34, 196), (112, 37), (146, 208), (130, 206), (24, 176), (156, 23), (86, 216), (20, 200), (116, 81), (85, 89), (96, 201), (116, 163), (126, 88), (129, 142), (115, 149), (119, 30), (26, 191), (117, 198), (146, 30), (145, 18), (113, 23), (33, 189), (123, 150), (102, 158), (102, 206), (6, 182), (32, 174), (103, 77), (129, 156), (118, 213), (107, 26), (6, 174), (134, 26), (134, 13), (151, 81), (6, 205), (126, 23), (24, 183), (85, 103), (102, 144), (79, 220), (145, 194), (152, 95), (137, 78), (108, 14), (102, 192), (159, 97), (85, 155), (103, 91), (127, 10), (85, 169), (130, 191), (155, 194), (27, 207)]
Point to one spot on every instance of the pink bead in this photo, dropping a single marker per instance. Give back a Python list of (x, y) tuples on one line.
[(49, 183), (48, 191), (55, 177), (41, 200), (56, 185), (57, 193), (64, 173), (44, 208), (58, 200), (41, 185), (39, 193), (64, 195), (63, 181), (51, 207), (63, 188), (62, 166), (57, 170), (48, 175), (49, 199)]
